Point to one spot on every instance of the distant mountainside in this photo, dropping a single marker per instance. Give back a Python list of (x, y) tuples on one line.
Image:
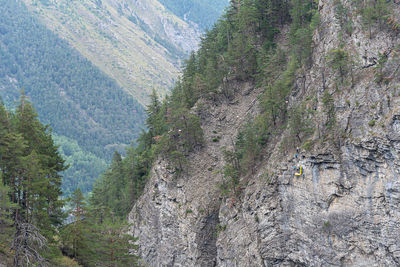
[(83, 85), (138, 43), (72, 95), (202, 12)]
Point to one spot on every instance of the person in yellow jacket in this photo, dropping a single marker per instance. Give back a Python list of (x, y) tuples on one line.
[(299, 170)]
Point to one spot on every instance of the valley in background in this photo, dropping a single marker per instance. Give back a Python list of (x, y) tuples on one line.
[(89, 67)]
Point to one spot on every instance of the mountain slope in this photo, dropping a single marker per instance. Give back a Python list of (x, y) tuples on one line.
[(202, 12), (323, 102), (78, 100), (140, 44)]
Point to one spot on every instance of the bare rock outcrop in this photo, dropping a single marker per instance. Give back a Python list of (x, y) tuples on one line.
[(342, 211)]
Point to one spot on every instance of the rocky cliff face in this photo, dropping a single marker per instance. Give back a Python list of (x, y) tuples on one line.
[(344, 208)]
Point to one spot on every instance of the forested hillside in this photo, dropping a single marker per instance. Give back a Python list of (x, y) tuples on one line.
[(140, 44), (79, 101)]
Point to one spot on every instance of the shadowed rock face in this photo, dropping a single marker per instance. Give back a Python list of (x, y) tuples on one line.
[(206, 239), (343, 211)]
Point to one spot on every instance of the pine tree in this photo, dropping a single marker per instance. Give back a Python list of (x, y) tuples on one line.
[(115, 247), (190, 93), (77, 236), (340, 61), (112, 191), (6, 208), (11, 164), (29, 167), (44, 181), (78, 212), (4, 123), (152, 111)]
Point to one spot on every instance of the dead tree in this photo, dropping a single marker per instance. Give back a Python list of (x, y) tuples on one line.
[(26, 244)]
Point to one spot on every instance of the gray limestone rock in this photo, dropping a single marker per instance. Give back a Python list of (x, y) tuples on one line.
[(343, 211)]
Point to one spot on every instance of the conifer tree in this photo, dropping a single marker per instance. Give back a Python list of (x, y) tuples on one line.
[(77, 237), (6, 208), (29, 167), (41, 151), (115, 248)]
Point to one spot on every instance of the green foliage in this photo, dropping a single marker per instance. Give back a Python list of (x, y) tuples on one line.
[(242, 47), (246, 153), (189, 211), (304, 20), (379, 67), (113, 190), (300, 124), (232, 172), (6, 228), (342, 14), (73, 235), (6, 205), (230, 50), (116, 247), (307, 146), (173, 129), (374, 12), (329, 109), (84, 167), (220, 228), (387, 68), (250, 141), (30, 167), (273, 100), (97, 237), (372, 123), (340, 61), (65, 262)]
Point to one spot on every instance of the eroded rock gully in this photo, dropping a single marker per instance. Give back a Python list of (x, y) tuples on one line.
[(343, 211)]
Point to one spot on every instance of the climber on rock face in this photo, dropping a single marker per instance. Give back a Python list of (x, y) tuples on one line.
[(299, 170)]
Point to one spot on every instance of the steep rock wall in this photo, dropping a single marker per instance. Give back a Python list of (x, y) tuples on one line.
[(176, 218), (344, 209)]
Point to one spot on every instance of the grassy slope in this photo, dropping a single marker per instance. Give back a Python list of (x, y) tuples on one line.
[(108, 36)]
